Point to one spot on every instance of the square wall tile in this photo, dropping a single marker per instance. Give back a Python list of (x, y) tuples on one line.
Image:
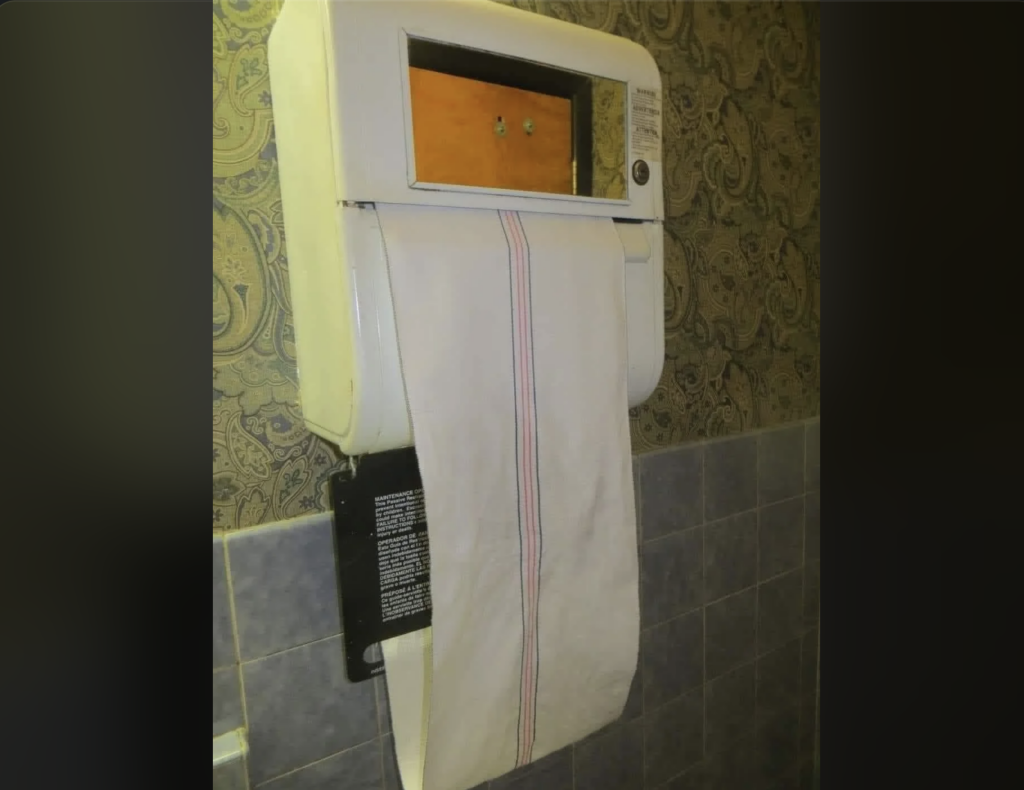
[(780, 537), (730, 632), (672, 576), (730, 477), (223, 638), (285, 585), (730, 555), (812, 462), (227, 700), (780, 464), (302, 708), (779, 611), (358, 768), (673, 658), (615, 761), (812, 526), (729, 708), (672, 486), (673, 737), (778, 680), (553, 772)]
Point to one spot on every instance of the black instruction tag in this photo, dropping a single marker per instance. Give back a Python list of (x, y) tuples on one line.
[(381, 553)]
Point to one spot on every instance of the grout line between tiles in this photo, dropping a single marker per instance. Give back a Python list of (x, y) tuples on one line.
[(304, 520), (765, 506), (703, 486), (292, 647), (803, 568), (724, 597), (757, 471), (235, 639), (644, 629), (315, 762), (670, 535), (800, 696), (718, 521), (817, 697)]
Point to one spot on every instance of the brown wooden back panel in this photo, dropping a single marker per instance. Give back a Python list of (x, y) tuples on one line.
[(453, 120)]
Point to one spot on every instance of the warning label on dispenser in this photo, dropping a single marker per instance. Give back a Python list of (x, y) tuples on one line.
[(645, 125), (403, 555), (382, 554)]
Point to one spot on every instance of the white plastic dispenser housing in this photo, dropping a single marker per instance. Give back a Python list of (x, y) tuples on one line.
[(402, 103)]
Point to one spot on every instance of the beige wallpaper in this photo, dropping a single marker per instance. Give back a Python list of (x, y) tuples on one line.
[(742, 296)]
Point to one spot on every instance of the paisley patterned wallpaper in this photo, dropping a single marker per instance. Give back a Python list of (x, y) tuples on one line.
[(742, 240)]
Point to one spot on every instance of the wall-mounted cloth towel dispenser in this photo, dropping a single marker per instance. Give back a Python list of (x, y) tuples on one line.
[(472, 199)]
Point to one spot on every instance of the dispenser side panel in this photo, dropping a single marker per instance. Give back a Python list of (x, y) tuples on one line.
[(319, 289)]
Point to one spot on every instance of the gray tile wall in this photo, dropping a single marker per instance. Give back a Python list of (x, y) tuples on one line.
[(725, 696)]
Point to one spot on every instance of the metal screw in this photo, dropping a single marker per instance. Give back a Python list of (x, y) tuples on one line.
[(528, 126), (499, 128)]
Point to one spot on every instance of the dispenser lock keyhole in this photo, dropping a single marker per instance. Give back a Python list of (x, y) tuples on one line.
[(641, 172)]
